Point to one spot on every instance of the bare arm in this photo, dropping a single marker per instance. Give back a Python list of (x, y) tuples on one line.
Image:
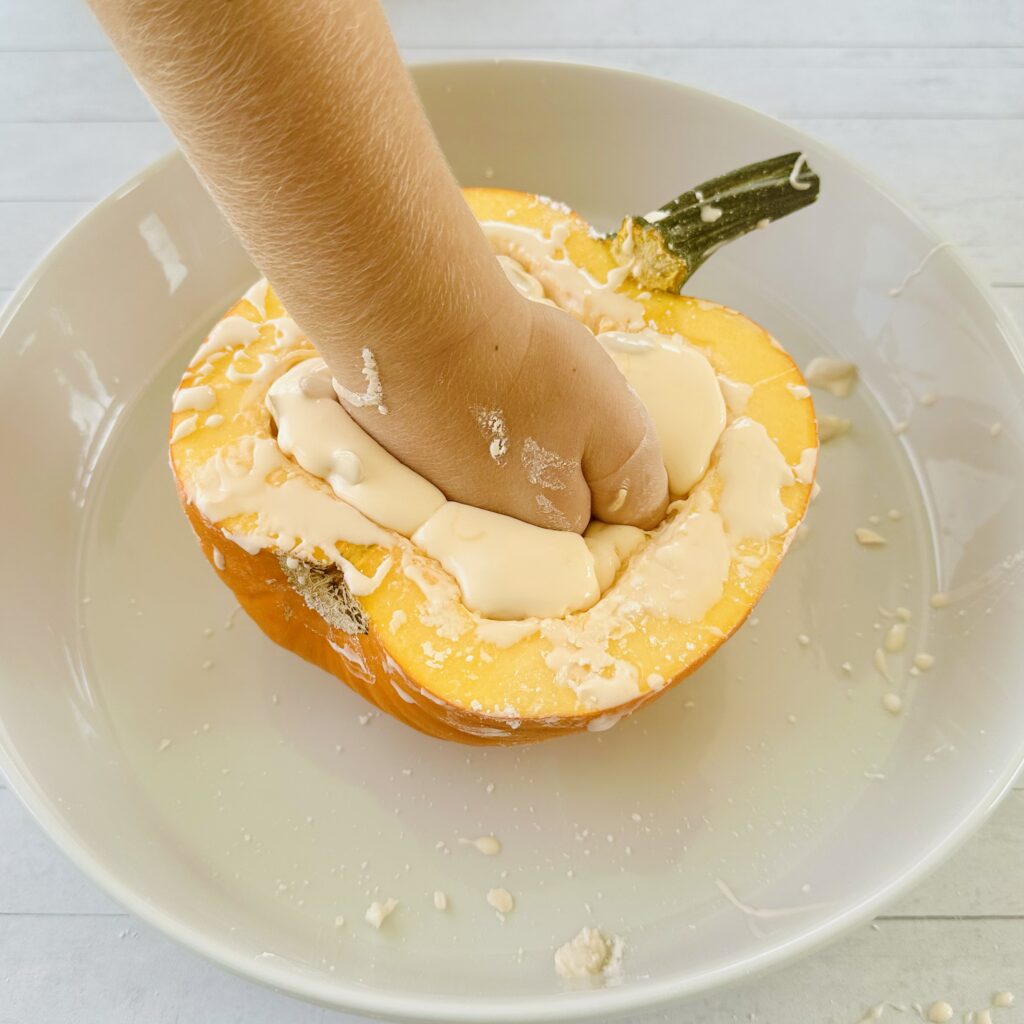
[(304, 125)]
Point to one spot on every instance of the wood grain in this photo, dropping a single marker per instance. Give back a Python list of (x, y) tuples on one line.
[(75, 162), (733, 23), (787, 81), (67, 25), (134, 974)]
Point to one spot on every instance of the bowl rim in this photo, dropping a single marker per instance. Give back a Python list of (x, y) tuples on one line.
[(559, 1006)]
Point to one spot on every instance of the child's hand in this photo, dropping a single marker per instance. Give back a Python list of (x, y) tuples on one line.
[(528, 416), (302, 122)]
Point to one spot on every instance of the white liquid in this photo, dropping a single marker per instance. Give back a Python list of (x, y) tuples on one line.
[(507, 569), (317, 432), (681, 392)]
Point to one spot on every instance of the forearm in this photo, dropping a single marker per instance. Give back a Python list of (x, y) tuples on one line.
[(325, 166), (304, 125)]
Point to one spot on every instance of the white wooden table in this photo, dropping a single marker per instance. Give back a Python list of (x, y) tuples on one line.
[(928, 93)]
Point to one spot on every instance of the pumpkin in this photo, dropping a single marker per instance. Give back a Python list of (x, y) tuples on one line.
[(373, 609)]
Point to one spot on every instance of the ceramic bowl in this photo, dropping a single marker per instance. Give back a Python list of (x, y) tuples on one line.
[(243, 803)]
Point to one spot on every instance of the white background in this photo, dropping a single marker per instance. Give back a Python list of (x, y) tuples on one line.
[(927, 93)]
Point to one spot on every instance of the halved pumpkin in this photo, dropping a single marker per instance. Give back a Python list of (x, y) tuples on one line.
[(402, 637)]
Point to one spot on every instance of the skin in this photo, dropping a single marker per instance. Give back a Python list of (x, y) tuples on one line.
[(302, 122)]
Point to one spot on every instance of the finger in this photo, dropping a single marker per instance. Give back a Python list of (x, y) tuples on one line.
[(635, 492)]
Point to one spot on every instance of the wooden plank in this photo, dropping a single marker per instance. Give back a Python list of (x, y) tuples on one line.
[(831, 82), (67, 25), (29, 230), (95, 970), (780, 58), (75, 162), (49, 25), (69, 87), (734, 23), (737, 23), (105, 971), (904, 962), (786, 82)]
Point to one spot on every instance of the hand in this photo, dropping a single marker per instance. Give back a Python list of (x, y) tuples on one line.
[(527, 415), (305, 127)]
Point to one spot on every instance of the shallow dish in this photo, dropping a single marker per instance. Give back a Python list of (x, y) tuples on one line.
[(242, 801)]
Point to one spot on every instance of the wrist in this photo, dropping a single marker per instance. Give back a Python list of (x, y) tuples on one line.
[(410, 364)]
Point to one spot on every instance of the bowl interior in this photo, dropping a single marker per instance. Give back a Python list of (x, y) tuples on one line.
[(242, 800)]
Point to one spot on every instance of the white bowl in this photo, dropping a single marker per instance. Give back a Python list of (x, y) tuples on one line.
[(772, 779)]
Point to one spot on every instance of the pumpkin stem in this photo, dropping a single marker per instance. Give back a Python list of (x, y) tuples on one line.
[(665, 246)]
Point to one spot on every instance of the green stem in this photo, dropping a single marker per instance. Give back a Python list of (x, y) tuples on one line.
[(667, 245)]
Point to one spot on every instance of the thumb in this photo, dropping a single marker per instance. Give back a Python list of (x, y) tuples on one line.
[(623, 466)]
